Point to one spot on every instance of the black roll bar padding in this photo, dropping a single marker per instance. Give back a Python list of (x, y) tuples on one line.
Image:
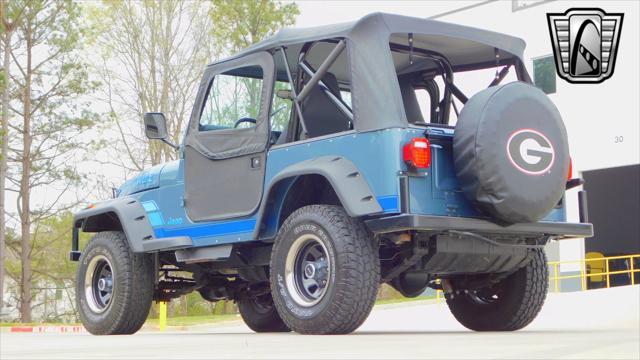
[(501, 75), (458, 93), (296, 104), (306, 47), (308, 69), (434, 92), (447, 72), (322, 69)]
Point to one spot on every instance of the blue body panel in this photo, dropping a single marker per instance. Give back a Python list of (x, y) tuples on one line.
[(376, 154), (145, 180)]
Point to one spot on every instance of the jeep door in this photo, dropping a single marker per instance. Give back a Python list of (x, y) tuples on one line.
[(227, 138)]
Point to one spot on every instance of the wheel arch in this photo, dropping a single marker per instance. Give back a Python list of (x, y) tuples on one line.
[(330, 180), (121, 214)]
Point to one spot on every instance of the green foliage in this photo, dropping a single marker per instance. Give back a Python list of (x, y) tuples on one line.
[(150, 56), (238, 24), (51, 34), (231, 98), (152, 60), (50, 115), (281, 108), (54, 276)]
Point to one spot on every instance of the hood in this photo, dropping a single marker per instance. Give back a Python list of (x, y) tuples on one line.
[(145, 180)]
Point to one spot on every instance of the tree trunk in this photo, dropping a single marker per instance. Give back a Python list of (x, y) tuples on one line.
[(3, 155), (25, 209)]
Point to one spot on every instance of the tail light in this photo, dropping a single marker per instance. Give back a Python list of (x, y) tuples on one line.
[(417, 153), (570, 174)]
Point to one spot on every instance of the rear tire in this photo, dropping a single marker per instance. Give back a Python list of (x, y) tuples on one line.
[(260, 314), (114, 286), (509, 305), (324, 271)]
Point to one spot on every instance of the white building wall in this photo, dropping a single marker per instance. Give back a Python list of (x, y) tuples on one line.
[(594, 114)]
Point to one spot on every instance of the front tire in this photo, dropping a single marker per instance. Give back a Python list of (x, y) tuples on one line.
[(324, 271), (509, 305), (114, 286)]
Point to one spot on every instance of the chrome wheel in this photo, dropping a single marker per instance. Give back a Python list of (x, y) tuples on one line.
[(98, 283), (307, 270)]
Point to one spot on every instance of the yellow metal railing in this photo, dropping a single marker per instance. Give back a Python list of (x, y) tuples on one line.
[(602, 272), (587, 267)]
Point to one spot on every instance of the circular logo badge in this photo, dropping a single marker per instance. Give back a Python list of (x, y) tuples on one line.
[(530, 151)]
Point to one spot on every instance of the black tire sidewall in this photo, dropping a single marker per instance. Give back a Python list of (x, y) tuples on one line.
[(261, 320), (132, 286), (523, 295), (99, 246), (355, 271), (302, 227)]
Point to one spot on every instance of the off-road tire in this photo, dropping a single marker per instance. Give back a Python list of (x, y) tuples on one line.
[(133, 283), (520, 299), (261, 315), (353, 277)]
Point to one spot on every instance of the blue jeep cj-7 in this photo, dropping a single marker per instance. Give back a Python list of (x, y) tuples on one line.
[(322, 162)]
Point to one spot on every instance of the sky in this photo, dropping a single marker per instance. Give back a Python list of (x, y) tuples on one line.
[(314, 13)]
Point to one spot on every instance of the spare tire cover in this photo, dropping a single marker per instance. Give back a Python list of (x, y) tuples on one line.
[(511, 153)]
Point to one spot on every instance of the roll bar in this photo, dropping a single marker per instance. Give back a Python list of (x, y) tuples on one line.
[(315, 78)]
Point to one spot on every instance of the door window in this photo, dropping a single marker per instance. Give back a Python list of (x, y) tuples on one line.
[(233, 101)]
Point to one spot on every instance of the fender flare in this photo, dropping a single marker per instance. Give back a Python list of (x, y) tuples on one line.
[(347, 181), (128, 215)]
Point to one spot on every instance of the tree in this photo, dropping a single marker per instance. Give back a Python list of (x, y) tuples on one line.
[(49, 119), (153, 54), (10, 14), (53, 279), (239, 24)]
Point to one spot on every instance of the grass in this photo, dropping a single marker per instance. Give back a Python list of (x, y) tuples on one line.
[(403, 300), (195, 320)]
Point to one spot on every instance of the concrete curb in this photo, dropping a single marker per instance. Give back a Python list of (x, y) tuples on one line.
[(77, 329)]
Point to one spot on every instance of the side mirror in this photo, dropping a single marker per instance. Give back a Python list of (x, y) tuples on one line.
[(155, 126)]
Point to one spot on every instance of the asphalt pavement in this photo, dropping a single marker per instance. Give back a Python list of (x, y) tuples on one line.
[(598, 324)]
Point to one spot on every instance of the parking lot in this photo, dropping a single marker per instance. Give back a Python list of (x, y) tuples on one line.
[(577, 325)]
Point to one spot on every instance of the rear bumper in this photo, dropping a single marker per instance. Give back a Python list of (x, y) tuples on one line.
[(405, 222)]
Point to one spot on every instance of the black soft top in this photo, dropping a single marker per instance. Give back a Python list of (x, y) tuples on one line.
[(376, 99)]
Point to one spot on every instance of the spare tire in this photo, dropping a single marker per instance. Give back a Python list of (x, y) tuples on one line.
[(511, 153)]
